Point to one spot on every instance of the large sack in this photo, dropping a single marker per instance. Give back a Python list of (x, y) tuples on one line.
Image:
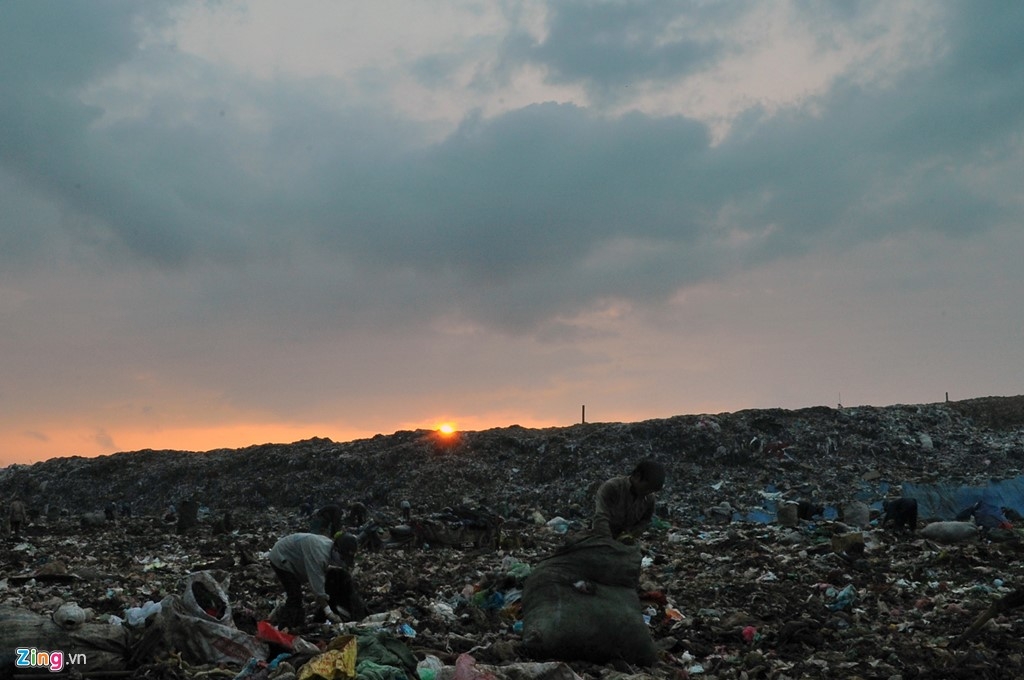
[(94, 647), (92, 519), (788, 514), (198, 624), (458, 527), (527, 670), (581, 603), (950, 532), (856, 514)]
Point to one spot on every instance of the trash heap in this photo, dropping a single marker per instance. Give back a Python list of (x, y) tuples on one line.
[(730, 585)]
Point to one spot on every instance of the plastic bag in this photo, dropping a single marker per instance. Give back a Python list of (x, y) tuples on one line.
[(339, 661), (198, 624)]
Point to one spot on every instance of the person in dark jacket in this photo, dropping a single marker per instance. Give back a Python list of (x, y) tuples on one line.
[(357, 514), (17, 515), (901, 513), (624, 506), (328, 520), (808, 510)]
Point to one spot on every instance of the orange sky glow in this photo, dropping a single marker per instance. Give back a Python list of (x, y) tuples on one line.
[(60, 442)]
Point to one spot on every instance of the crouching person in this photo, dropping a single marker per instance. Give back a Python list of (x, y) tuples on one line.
[(326, 565), (901, 513)]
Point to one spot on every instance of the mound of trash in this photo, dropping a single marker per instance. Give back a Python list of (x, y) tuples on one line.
[(734, 580)]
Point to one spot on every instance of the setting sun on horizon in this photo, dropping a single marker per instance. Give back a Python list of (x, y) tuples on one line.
[(400, 218), (77, 438)]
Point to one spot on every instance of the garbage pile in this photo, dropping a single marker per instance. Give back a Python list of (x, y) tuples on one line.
[(733, 583)]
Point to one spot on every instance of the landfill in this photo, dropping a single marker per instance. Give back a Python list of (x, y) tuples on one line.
[(734, 582)]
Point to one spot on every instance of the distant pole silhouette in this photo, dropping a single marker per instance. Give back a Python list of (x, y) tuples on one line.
[(583, 418)]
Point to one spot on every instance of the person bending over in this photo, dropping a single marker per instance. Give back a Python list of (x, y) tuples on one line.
[(326, 565), (624, 505)]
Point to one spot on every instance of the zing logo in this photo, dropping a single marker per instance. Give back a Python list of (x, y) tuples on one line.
[(30, 657)]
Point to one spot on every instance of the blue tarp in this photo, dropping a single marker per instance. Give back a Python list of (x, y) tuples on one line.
[(945, 501), (870, 493), (934, 501)]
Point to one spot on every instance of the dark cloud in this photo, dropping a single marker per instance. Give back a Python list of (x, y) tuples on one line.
[(610, 46), (104, 441), (541, 185), (51, 52), (514, 219), (51, 47)]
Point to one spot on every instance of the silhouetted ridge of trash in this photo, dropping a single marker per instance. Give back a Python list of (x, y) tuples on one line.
[(769, 555)]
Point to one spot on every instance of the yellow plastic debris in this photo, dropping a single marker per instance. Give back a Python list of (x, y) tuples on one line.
[(337, 663)]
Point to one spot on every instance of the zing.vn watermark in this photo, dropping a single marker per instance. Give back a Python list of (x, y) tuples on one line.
[(30, 657)]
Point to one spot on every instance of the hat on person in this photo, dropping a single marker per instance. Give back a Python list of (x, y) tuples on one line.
[(346, 544)]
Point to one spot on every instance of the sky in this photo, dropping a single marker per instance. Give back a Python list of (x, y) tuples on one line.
[(233, 223)]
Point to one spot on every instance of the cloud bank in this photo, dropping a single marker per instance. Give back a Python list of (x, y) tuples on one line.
[(341, 219)]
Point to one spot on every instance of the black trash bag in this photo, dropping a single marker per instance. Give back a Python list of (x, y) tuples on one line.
[(343, 594)]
